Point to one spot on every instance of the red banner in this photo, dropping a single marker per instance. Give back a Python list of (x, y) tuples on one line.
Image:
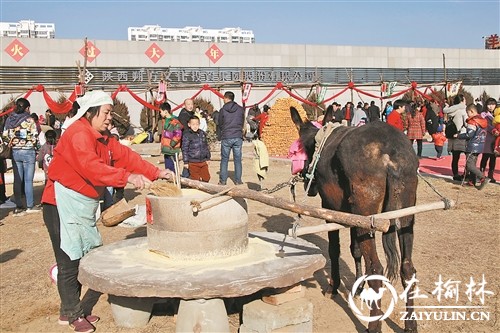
[(66, 105)]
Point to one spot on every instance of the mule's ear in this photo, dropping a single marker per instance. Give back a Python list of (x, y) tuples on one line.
[(296, 117), (328, 115)]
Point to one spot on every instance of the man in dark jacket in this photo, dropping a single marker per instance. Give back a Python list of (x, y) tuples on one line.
[(186, 113), (231, 122), (373, 112), (337, 112)]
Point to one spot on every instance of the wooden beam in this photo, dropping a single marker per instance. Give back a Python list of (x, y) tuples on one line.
[(347, 219), (385, 215)]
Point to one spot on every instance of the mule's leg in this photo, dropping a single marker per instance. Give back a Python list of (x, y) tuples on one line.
[(356, 254), (405, 235), (373, 267), (334, 252)]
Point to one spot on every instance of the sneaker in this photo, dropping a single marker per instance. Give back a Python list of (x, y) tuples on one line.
[(63, 320), (82, 325), (222, 183), (458, 178), (33, 210), (484, 181), (492, 180), (19, 212), (8, 204)]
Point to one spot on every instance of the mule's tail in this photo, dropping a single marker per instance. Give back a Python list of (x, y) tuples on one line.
[(392, 201), (391, 253)]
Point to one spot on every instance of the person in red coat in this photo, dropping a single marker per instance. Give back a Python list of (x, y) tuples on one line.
[(262, 119), (415, 122), (394, 118), (85, 161)]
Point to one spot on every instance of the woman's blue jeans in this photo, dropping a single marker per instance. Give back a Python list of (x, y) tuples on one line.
[(23, 161)]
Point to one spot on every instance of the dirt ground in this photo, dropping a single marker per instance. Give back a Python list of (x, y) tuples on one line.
[(456, 245)]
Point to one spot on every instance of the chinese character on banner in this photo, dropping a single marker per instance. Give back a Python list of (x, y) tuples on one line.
[(214, 53), (492, 42), (92, 51), (390, 88), (246, 92), (16, 50), (452, 89), (79, 90), (154, 53)]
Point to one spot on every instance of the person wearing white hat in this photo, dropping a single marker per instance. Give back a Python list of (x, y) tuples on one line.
[(85, 161)]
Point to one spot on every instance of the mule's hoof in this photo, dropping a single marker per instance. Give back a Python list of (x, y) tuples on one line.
[(411, 330), (376, 331)]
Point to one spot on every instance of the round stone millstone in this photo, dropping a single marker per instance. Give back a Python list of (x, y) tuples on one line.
[(176, 232)]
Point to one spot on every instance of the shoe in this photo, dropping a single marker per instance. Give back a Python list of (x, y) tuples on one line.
[(33, 210), (492, 180), (222, 183), (238, 183), (82, 325), (458, 178), (19, 212), (63, 320), (484, 181), (8, 204)]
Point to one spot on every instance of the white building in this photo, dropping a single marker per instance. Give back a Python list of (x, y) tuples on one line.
[(27, 29), (190, 34)]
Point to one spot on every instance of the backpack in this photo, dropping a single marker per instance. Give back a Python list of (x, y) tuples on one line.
[(451, 129)]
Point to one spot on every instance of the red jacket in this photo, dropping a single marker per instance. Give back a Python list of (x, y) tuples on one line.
[(262, 119), (439, 138), (395, 120), (86, 161)]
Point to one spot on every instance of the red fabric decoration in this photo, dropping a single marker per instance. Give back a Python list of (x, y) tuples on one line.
[(265, 98), (59, 107), (365, 93), (336, 95)]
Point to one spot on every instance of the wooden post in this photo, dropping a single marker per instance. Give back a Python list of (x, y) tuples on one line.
[(351, 220), (445, 79)]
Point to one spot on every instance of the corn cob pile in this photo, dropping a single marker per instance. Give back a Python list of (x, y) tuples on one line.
[(280, 131)]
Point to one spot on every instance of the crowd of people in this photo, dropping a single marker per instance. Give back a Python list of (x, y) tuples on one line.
[(468, 129), (83, 159)]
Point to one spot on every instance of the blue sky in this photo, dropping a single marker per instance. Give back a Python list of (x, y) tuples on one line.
[(403, 23)]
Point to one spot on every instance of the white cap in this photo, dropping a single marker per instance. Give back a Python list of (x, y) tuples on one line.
[(90, 99)]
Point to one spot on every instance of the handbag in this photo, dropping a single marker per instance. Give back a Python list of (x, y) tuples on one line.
[(5, 149)]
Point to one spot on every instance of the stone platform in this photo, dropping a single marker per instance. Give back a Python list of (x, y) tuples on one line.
[(135, 278)]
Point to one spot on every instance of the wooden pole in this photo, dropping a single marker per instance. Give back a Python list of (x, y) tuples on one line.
[(386, 215), (445, 79), (343, 218), (84, 71)]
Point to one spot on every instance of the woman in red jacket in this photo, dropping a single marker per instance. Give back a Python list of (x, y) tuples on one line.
[(84, 163), (415, 122)]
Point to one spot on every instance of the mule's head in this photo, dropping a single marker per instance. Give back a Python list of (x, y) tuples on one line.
[(307, 132)]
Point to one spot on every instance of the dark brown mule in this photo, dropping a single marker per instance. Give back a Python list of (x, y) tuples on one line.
[(367, 170)]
